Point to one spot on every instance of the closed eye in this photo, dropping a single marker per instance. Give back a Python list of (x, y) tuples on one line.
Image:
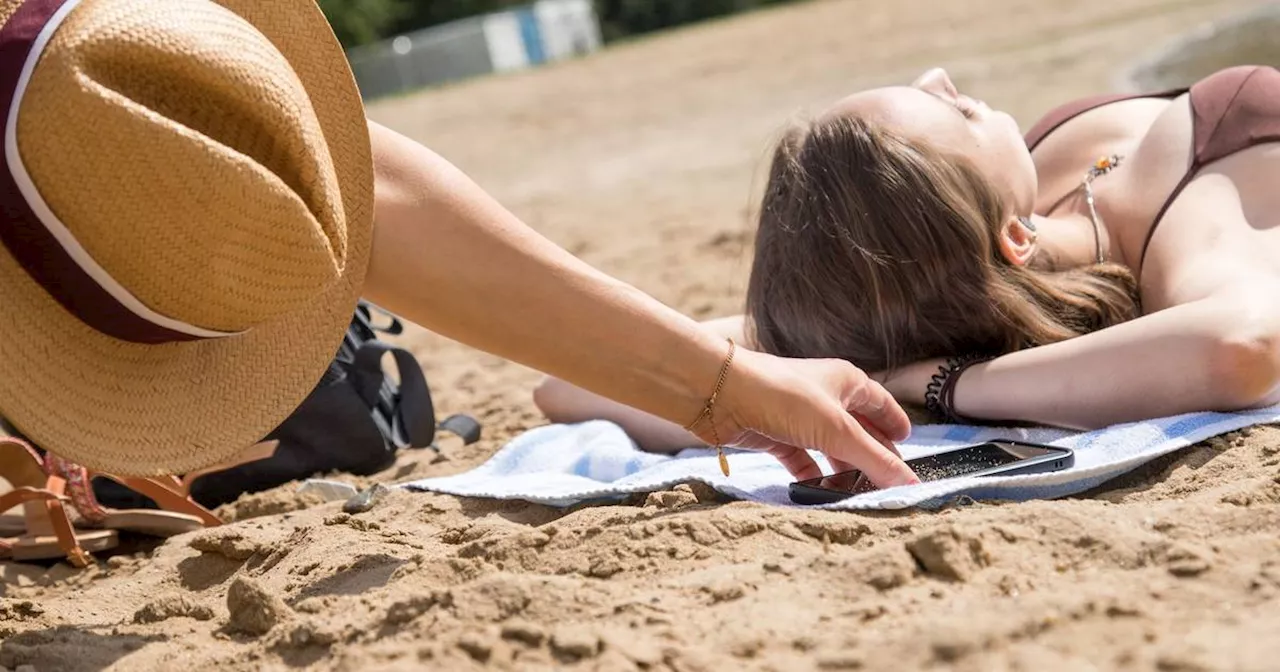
[(961, 105)]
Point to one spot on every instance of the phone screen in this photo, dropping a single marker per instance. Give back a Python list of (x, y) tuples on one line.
[(949, 464)]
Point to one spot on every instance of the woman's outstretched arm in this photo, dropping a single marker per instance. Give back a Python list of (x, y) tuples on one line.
[(564, 402), (447, 256), (1220, 353)]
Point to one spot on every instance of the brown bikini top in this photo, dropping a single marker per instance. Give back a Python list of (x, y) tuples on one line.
[(1232, 110)]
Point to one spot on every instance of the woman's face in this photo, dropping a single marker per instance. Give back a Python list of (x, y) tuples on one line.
[(932, 110)]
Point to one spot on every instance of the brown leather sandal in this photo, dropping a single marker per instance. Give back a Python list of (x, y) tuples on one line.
[(178, 513), (48, 532)]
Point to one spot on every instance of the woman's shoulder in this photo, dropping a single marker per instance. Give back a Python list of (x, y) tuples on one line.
[(1060, 115), (1115, 128)]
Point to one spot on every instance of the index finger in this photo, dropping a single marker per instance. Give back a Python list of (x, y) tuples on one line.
[(847, 441), (873, 404)]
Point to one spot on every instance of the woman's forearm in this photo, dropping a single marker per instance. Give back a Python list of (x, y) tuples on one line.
[(567, 403), (450, 258), (1214, 354)]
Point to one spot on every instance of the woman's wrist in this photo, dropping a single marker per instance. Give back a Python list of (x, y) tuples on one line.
[(908, 383), (682, 370), (967, 398), (940, 392)]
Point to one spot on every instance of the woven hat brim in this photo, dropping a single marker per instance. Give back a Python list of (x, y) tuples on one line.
[(145, 409)]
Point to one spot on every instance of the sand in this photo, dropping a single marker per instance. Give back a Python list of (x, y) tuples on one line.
[(644, 160)]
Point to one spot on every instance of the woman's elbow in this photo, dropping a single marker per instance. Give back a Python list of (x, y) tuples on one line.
[(549, 396), (1245, 370)]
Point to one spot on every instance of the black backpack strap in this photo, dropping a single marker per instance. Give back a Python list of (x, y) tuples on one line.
[(365, 311), (414, 415)]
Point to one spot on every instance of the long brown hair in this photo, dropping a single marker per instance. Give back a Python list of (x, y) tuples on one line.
[(883, 251)]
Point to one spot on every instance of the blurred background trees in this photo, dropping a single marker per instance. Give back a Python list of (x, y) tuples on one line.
[(359, 22)]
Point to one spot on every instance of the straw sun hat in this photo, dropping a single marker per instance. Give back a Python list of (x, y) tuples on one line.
[(186, 213)]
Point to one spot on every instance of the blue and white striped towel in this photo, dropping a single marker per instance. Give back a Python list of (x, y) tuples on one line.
[(561, 465)]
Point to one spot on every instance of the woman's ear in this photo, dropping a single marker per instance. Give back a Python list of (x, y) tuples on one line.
[(1017, 240)]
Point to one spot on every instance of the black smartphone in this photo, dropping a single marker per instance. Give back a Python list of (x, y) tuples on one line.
[(1001, 457)]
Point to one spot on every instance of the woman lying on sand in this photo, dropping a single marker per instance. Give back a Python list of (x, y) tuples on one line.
[(913, 231)]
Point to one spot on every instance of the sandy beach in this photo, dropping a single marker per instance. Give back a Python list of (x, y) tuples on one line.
[(646, 161)]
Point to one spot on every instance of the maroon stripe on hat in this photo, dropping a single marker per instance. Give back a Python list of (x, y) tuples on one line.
[(27, 238)]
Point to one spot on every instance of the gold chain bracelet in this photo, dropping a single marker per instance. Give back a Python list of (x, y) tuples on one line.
[(709, 411)]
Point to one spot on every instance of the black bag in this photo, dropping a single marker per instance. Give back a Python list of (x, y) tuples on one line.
[(354, 421)]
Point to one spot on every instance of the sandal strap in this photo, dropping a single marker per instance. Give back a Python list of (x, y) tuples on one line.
[(79, 487), (170, 493), (32, 454), (53, 495), (162, 491), (23, 495), (66, 534), (258, 451)]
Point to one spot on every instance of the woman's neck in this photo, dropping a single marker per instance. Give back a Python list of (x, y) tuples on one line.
[(1069, 240)]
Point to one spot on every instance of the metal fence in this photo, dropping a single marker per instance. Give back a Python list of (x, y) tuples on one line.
[(545, 31)]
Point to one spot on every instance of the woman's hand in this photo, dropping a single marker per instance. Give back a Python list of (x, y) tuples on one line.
[(783, 406)]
